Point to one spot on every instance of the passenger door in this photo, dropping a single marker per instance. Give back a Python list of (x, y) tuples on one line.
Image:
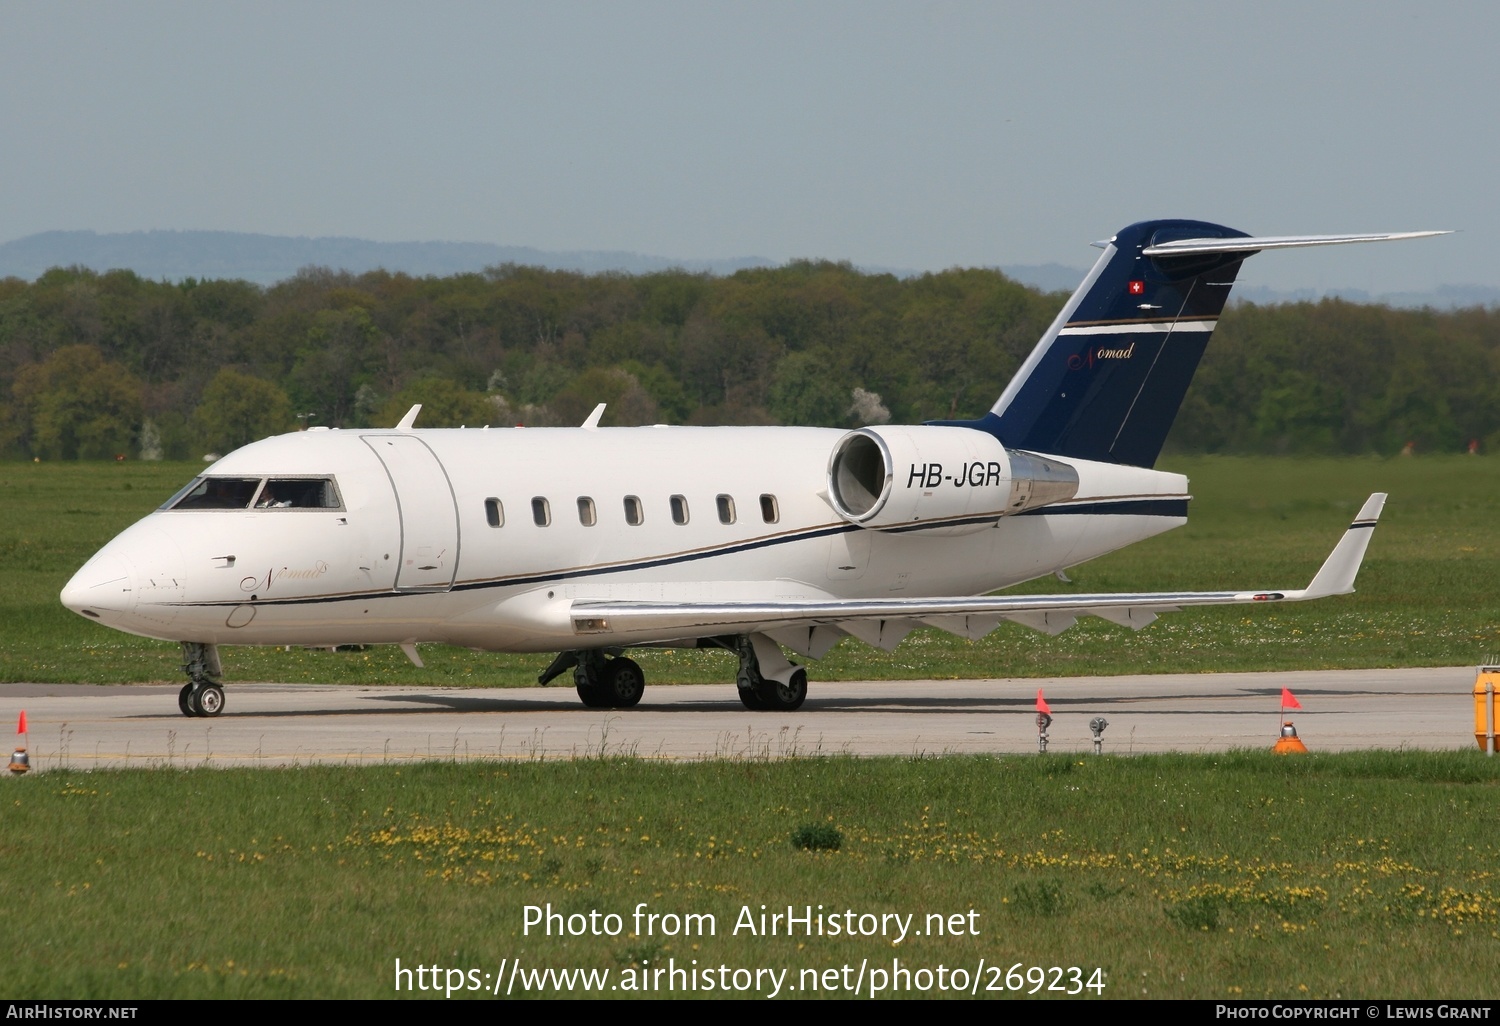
[(429, 512)]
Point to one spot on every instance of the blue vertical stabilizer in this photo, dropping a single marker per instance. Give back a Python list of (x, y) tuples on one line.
[(1106, 380)]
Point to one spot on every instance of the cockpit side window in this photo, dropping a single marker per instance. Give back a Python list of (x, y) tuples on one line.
[(216, 493), (298, 493), (257, 493)]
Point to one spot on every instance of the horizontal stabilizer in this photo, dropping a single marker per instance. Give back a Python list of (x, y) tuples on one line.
[(1188, 247), (884, 622)]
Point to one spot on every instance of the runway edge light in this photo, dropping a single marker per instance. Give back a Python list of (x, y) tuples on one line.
[(1288, 742), (20, 762)]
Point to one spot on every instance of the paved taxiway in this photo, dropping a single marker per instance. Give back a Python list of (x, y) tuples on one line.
[(84, 726)]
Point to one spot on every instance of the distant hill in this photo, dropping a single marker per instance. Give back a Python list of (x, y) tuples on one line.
[(267, 259), (1444, 297), (1057, 278)]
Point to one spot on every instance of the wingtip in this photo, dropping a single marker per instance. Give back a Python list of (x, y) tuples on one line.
[(1336, 575), (1371, 509)]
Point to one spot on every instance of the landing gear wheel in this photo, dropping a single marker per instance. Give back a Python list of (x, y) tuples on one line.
[(622, 682), (751, 700), (185, 700), (779, 697), (208, 700), (593, 696)]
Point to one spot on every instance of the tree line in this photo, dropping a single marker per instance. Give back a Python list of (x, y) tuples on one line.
[(101, 365)]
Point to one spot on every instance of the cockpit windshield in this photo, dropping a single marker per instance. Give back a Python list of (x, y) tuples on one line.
[(257, 493), (298, 493), (216, 493)]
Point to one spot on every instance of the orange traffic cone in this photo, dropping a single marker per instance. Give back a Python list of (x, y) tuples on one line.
[(1288, 742)]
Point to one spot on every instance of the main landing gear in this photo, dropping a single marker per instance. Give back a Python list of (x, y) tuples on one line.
[(761, 693), (201, 695), (766, 681), (603, 681)]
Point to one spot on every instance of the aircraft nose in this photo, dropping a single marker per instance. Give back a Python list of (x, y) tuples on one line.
[(102, 589)]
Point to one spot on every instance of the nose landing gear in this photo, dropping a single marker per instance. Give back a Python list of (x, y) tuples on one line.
[(201, 695)]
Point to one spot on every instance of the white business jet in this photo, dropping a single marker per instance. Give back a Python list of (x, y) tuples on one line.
[(591, 541)]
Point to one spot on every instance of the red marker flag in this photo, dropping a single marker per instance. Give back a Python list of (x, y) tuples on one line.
[(1041, 703), (1289, 700), (21, 724)]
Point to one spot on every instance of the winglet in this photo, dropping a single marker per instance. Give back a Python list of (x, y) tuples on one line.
[(410, 419), (1336, 576), (593, 419)]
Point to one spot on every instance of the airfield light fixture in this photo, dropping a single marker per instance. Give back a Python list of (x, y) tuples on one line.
[(1097, 725), (1288, 743), (1043, 721)]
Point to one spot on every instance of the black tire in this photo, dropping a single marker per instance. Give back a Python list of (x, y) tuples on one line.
[(185, 700), (779, 697), (593, 696), (623, 683), (208, 700), (750, 699)]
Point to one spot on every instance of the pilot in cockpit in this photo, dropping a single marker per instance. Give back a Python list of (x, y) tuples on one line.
[(271, 499)]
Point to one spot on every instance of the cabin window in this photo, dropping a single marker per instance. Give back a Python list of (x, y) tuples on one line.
[(586, 515), (726, 509), (216, 493), (634, 513), (494, 513), (679, 510), (768, 509), (541, 512)]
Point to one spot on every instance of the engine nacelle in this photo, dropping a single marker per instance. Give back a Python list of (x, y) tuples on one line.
[(954, 478)]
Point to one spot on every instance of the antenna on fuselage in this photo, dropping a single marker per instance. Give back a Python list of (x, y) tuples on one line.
[(410, 418), (593, 419)]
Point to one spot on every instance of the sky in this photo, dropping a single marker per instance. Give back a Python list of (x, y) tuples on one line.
[(905, 135)]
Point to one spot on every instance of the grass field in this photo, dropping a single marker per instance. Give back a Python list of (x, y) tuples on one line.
[(1426, 594), (1364, 875)]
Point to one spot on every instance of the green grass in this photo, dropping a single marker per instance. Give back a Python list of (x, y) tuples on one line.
[(1425, 595), (1242, 875)]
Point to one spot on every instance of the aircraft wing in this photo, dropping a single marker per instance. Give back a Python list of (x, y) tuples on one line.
[(812, 626)]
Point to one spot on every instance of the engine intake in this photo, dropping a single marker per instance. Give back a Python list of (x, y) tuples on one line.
[(952, 478)]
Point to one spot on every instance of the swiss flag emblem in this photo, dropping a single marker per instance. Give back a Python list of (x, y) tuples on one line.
[(1137, 288)]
